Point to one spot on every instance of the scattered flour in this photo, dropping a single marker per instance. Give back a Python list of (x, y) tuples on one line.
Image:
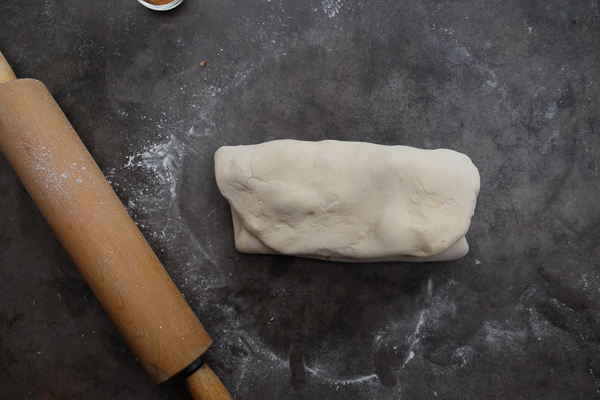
[(501, 337), (463, 355), (323, 375), (332, 7)]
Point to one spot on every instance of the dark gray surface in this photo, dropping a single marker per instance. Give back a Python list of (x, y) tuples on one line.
[(513, 84)]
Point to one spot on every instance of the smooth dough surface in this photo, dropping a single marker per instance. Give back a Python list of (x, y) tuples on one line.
[(348, 201)]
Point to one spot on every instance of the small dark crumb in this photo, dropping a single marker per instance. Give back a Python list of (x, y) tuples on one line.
[(203, 64), (573, 22)]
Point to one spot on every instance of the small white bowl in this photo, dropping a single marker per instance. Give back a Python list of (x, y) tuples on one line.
[(163, 7)]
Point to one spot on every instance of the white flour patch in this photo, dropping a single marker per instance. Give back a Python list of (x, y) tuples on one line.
[(162, 162), (323, 375), (332, 7), (539, 325), (440, 305), (259, 350), (463, 355), (584, 282), (162, 159), (410, 356), (429, 288), (503, 338), (551, 111), (256, 356), (414, 338), (154, 204), (427, 321), (524, 299)]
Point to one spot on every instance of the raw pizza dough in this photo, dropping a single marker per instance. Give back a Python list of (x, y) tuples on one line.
[(348, 201)]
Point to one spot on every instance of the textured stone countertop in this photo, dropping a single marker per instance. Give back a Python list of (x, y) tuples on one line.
[(513, 84)]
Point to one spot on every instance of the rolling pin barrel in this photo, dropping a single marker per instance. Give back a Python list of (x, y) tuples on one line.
[(100, 236)]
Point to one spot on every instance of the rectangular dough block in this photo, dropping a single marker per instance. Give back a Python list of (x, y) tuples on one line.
[(348, 201)]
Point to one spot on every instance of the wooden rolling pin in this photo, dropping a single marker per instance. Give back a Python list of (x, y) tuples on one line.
[(101, 238)]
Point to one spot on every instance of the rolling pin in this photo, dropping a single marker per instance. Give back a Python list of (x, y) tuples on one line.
[(101, 238)]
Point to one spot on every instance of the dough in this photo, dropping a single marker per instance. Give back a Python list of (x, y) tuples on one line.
[(348, 201)]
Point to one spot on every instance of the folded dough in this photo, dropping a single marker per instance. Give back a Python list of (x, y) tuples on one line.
[(348, 201)]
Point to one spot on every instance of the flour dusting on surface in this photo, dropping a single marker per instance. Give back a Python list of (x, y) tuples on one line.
[(463, 355), (332, 7), (354, 381), (502, 337)]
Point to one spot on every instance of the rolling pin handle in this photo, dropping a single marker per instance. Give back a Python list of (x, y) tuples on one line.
[(6, 72), (204, 385)]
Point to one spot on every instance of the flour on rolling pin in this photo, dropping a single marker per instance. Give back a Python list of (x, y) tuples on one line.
[(58, 177), (348, 201)]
